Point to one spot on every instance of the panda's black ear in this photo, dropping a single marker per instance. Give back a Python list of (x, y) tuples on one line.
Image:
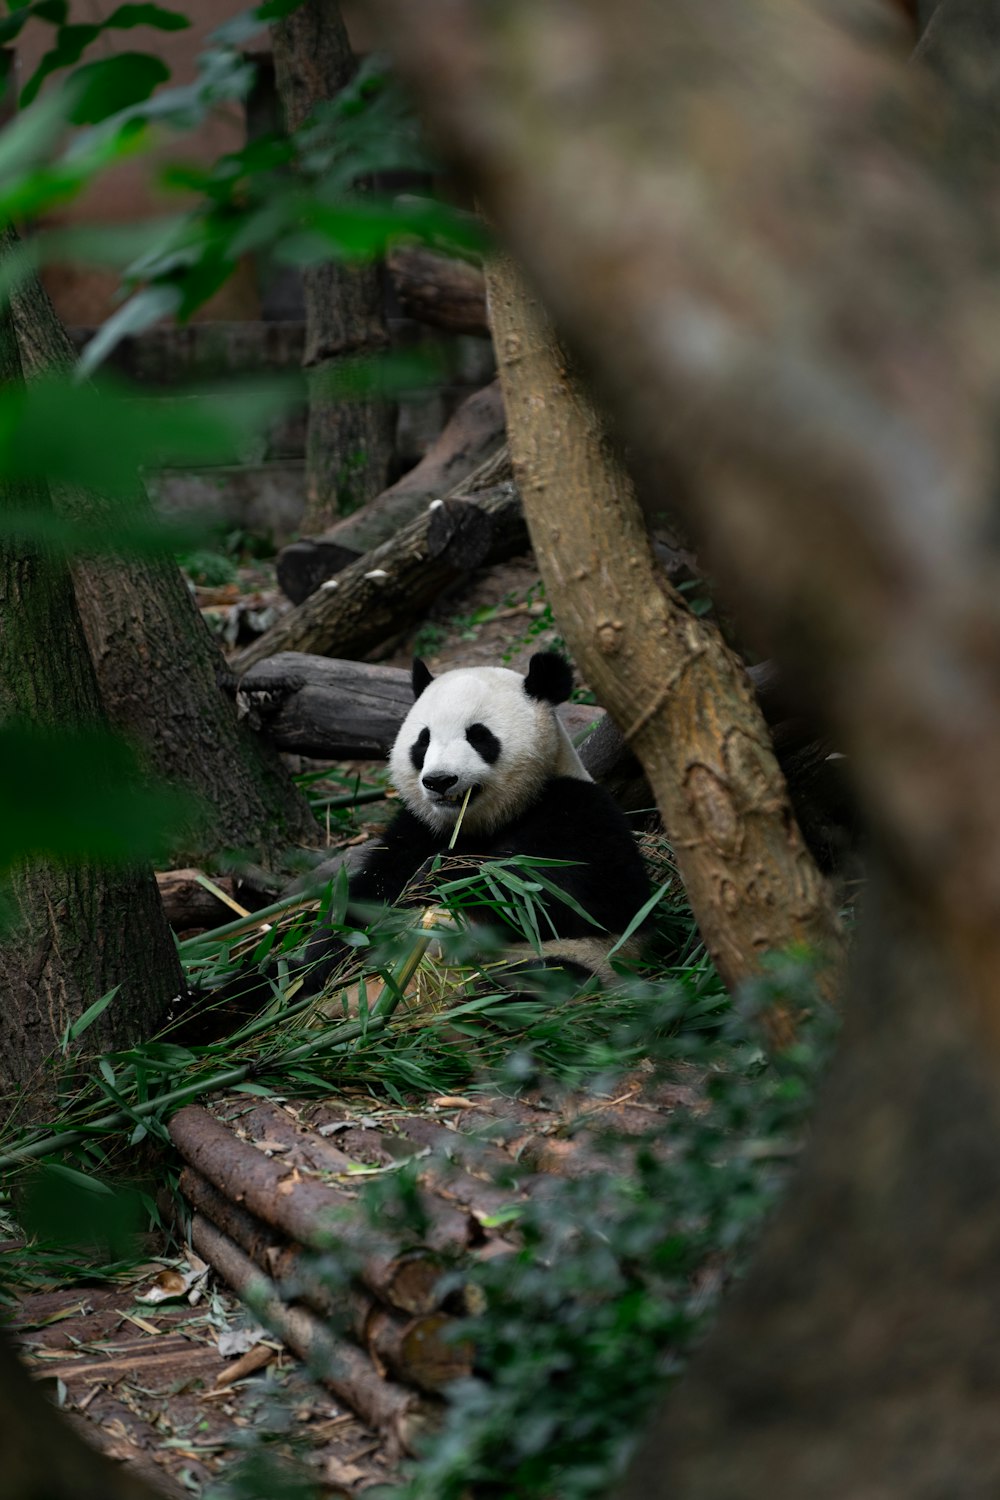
[(422, 675), (549, 678)]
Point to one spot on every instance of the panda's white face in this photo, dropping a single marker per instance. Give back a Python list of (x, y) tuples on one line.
[(478, 728)]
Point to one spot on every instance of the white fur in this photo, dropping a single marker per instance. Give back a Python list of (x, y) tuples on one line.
[(533, 746)]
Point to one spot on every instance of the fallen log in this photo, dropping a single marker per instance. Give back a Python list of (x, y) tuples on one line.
[(474, 433), (186, 902), (472, 1154), (402, 1415), (303, 1146), (438, 289), (387, 589), (335, 709), (318, 1215), (413, 1348)]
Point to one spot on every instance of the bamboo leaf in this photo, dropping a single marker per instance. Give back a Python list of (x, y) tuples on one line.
[(76, 1029)]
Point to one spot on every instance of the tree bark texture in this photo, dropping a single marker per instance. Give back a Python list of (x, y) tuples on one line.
[(350, 443), (800, 342), (439, 289), (161, 675), (833, 448), (81, 929), (681, 698)]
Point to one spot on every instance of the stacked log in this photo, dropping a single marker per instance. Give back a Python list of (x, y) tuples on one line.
[(267, 1200), (273, 1188)]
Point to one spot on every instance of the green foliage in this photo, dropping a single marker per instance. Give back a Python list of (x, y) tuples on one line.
[(616, 1277), (62, 1208), (212, 569), (615, 1274), (260, 1473), (107, 87), (296, 199), (73, 39), (78, 795), (100, 437)]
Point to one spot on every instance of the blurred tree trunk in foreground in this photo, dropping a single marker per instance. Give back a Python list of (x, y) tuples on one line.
[(683, 701), (80, 929), (43, 1458), (350, 443), (161, 674), (801, 342)]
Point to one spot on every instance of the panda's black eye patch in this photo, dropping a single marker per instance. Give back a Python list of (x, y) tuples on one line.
[(418, 750), (484, 742)]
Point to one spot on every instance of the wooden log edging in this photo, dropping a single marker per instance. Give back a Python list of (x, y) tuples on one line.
[(453, 465), (415, 1349), (402, 1415), (315, 1214)]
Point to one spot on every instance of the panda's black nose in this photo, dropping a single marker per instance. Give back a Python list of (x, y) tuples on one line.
[(439, 783)]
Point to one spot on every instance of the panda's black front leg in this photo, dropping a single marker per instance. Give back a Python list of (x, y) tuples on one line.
[(406, 847)]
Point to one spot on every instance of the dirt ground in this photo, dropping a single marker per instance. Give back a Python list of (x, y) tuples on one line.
[(181, 1387), (148, 1385)]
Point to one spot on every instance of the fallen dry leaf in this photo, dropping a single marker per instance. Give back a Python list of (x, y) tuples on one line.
[(254, 1359), (336, 1471)]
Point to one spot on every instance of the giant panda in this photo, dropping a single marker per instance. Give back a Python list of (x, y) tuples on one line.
[(494, 733)]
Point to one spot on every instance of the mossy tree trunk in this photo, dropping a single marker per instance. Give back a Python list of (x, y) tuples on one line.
[(681, 698), (164, 683), (81, 928), (349, 445)]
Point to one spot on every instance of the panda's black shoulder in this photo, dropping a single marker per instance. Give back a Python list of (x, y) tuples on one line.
[(569, 813), (570, 794), (579, 823)]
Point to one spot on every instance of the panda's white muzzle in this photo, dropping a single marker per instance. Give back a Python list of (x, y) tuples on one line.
[(443, 790)]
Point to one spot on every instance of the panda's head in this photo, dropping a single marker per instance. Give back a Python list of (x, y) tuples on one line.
[(487, 728)]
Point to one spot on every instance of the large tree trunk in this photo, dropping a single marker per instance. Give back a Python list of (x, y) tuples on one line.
[(81, 929), (801, 344), (857, 1359), (681, 698), (161, 675), (350, 443)]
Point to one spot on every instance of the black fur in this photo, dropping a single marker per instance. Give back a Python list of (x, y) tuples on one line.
[(421, 677), (418, 750), (570, 820), (549, 678), (484, 742)]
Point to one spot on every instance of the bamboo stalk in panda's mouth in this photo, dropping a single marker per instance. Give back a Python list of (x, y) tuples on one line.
[(392, 992)]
